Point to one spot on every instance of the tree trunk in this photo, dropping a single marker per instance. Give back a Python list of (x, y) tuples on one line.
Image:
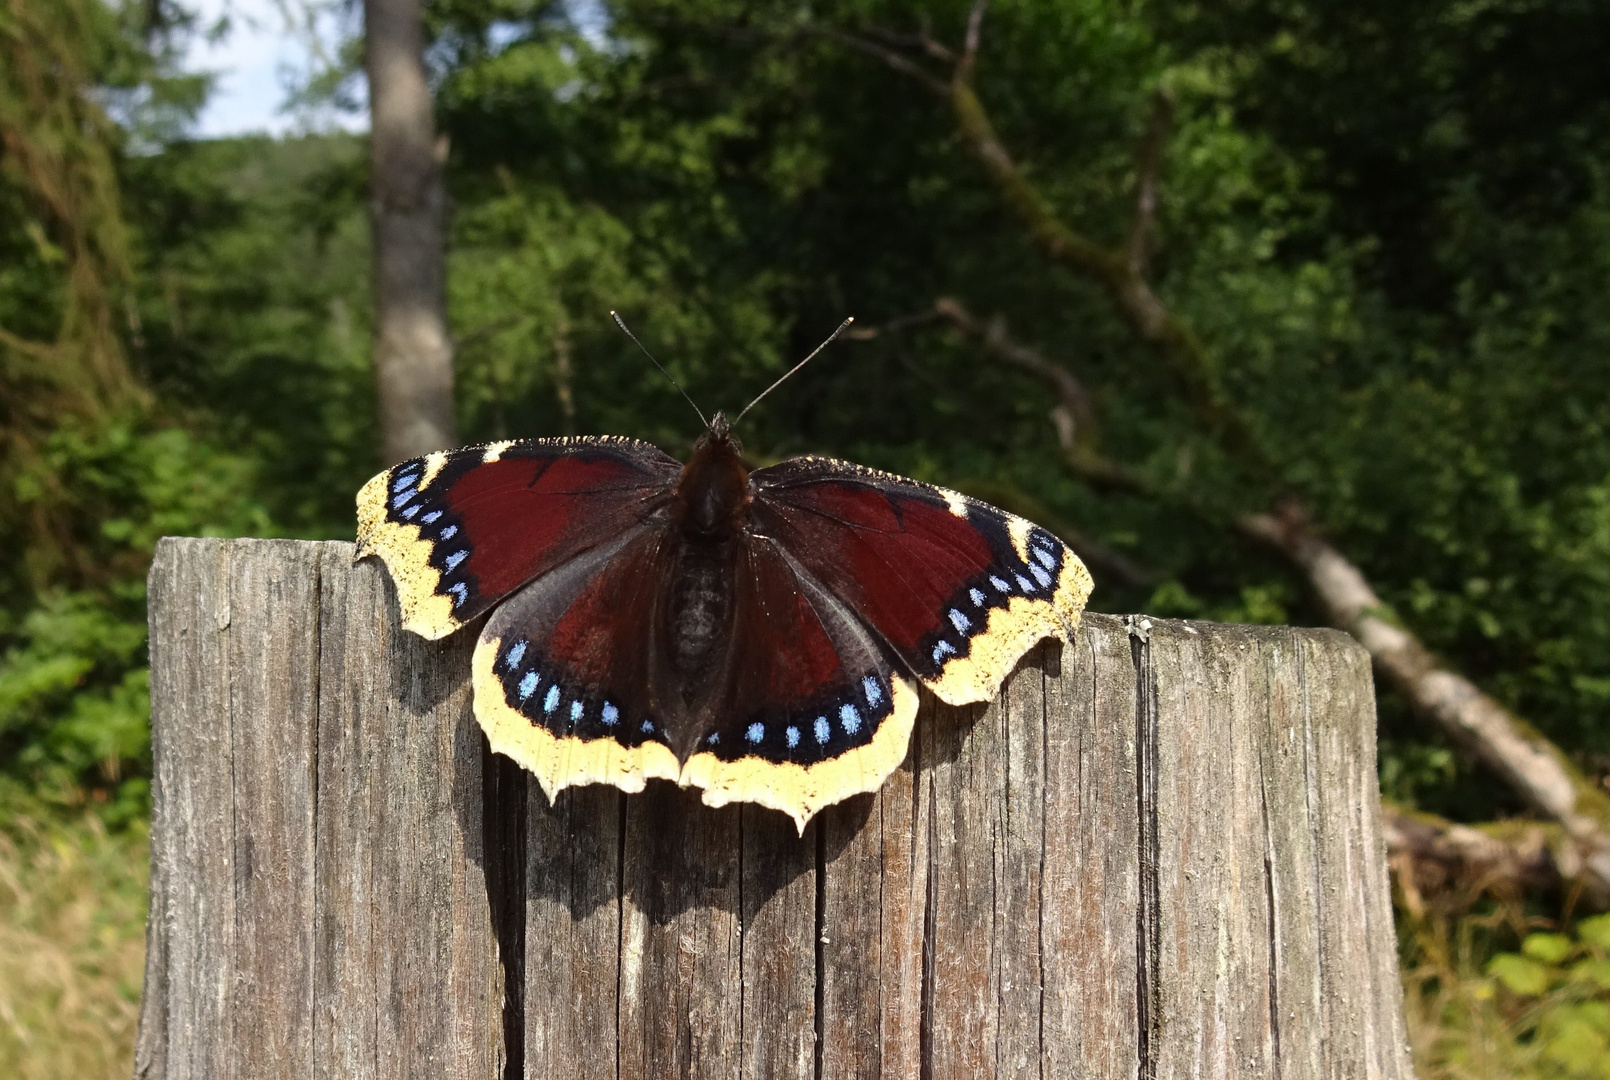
[(1157, 853), (408, 208)]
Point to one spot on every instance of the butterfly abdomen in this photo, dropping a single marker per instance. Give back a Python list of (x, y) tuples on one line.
[(701, 601)]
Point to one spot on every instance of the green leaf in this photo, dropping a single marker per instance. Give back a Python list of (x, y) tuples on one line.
[(1551, 949), (1575, 1039), (1596, 971), (1595, 931), (1518, 974)]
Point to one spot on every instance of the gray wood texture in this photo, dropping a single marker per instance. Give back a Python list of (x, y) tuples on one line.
[(1157, 854)]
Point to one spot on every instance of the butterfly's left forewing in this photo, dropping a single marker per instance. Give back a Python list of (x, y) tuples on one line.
[(958, 589), (461, 529)]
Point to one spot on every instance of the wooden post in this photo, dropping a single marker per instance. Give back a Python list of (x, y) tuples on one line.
[(1158, 854)]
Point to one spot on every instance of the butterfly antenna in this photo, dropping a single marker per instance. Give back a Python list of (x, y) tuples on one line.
[(843, 326), (622, 324)]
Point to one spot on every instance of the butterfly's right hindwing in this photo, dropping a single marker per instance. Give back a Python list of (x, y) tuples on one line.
[(958, 589)]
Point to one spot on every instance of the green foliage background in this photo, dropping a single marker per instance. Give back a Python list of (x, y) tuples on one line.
[(1390, 224)]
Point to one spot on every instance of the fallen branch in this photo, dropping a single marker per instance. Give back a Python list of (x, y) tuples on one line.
[(1534, 767), (1432, 855)]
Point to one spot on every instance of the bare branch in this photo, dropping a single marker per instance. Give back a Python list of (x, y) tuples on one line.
[(1147, 165), (37, 349), (1533, 766), (1073, 400), (888, 56), (935, 49), (1151, 319), (1073, 415), (975, 25), (921, 41), (899, 322)]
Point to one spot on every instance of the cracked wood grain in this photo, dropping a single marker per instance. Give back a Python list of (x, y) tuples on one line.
[(1158, 853)]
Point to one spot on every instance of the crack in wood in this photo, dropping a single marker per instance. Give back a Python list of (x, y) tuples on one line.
[(503, 831), (1147, 929)]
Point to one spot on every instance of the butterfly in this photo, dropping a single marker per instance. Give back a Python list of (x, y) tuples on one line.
[(758, 634)]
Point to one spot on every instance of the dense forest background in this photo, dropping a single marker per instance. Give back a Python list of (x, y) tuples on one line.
[(1378, 235)]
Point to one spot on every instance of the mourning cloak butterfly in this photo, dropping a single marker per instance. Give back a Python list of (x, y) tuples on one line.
[(758, 634)]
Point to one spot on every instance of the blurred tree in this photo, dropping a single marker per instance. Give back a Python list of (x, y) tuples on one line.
[(413, 353), (65, 248), (90, 472)]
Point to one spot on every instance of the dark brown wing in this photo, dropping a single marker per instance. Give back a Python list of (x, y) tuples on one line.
[(958, 589), (813, 709), (461, 529)]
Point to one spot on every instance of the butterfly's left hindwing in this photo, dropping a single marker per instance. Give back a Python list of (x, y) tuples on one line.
[(959, 589), (565, 677), (461, 529)]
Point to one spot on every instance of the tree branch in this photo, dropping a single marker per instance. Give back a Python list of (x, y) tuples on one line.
[(1114, 270), (975, 25), (1532, 765), (886, 55), (1071, 394), (1074, 415), (1529, 762), (1430, 854)]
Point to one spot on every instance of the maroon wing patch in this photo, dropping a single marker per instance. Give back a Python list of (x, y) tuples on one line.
[(957, 588), (460, 530)]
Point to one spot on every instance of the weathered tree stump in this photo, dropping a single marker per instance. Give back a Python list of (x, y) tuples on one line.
[(1158, 854)]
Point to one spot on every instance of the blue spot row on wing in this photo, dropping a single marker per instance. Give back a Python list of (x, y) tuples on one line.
[(437, 526), (968, 613), (553, 703), (839, 724)]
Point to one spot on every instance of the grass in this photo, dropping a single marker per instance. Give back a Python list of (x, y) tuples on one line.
[(1491, 989), (72, 947)]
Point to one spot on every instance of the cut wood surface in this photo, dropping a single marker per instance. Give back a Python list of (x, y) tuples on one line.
[(1159, 853)]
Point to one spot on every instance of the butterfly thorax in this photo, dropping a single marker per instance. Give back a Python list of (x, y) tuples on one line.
[(711, 499)]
